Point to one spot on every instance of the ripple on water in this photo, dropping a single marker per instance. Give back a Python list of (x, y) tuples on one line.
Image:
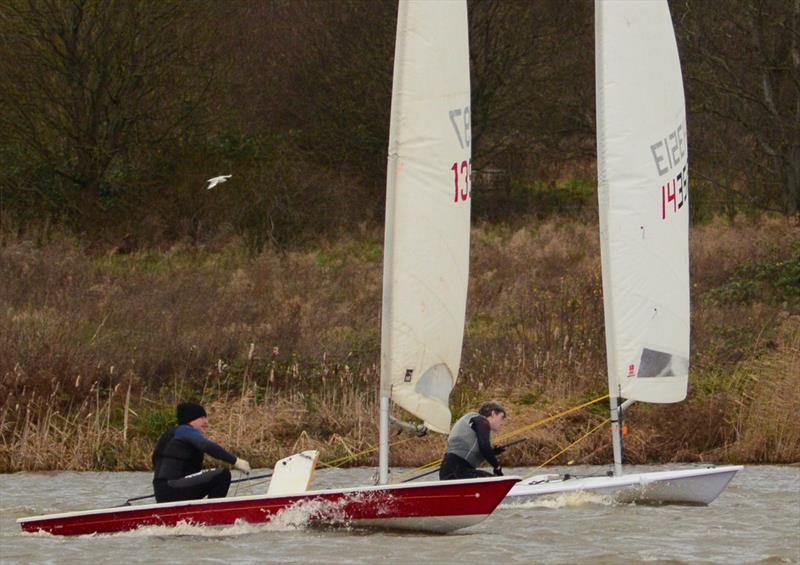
[(755, 520)]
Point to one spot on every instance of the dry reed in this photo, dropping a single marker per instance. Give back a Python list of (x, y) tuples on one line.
[(284, 348)]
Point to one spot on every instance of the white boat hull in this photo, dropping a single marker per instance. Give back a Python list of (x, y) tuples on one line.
[(698, 487)]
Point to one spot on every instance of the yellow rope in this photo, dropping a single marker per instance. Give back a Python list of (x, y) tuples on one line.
[(551, 418), (584, 436), (538, 423), (341, 460), (250, 486), (430, 465), (425, 467)]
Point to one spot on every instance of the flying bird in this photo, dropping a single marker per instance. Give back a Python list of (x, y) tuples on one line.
[(217, 180)]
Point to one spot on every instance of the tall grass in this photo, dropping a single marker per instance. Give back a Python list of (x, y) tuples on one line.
[(283, 348), (767, 401)]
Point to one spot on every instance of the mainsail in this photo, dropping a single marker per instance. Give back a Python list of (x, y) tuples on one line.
[(644, 200), (426, 246)]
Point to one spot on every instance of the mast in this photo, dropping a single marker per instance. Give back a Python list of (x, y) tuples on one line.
[(389, 252), (604, 197), (616, 435), (383, 442)]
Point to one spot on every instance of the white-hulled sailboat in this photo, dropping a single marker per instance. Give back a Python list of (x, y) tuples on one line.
[(644, 234), (425, 287)]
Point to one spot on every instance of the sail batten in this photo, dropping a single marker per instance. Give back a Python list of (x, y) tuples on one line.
[(643, 200), (426, 245)]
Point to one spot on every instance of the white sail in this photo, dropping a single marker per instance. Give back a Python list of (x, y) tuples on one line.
[(644, 200), (426, 246)]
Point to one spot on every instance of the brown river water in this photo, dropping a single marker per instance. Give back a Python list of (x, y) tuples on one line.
[(755, 520)]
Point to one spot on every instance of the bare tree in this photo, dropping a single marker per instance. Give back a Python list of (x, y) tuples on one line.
[(532, 80), (327, 78), (743, 62), (88, 87)]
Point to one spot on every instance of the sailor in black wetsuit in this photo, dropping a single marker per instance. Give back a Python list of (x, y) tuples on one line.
[(470, 443), (178, 460)]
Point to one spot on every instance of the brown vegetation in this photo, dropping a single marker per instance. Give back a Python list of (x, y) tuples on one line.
[(262, 297), (283, 348)]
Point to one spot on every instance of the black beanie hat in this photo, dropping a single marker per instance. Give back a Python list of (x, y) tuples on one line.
[(188, 411)]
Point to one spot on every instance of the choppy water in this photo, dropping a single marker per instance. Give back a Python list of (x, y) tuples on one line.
[(756, 519)]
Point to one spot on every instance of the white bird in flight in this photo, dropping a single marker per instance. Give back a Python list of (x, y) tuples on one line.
[(217, 180)]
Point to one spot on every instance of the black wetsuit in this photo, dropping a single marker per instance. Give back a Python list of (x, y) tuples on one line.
[(457, 467), (178, 463)]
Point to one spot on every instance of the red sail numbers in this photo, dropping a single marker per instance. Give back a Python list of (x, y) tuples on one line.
[(460, 120), (461, 172), (675, 193)]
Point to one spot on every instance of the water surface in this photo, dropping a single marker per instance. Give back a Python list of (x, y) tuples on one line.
[(756, 519)]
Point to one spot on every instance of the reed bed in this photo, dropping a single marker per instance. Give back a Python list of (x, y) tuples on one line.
[(283, 348)]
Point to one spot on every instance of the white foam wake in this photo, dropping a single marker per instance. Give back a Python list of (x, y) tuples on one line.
[(571, 499)]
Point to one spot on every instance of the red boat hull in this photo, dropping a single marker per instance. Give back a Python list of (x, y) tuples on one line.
[(435, 507)]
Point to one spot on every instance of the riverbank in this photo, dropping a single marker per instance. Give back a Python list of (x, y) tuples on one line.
[(283, 348)]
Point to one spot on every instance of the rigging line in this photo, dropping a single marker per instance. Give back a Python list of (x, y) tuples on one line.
[(512, 433), (341, 460), (434, 466), (430, 467), (551, 418), (252, 486), (584, 436)]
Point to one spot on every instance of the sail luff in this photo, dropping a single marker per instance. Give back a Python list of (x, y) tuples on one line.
[(388, 248), (391, 188), (606, 263), (603, 199)]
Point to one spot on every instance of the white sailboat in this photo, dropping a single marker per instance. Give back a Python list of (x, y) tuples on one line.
[(644, 233), (426, 267)]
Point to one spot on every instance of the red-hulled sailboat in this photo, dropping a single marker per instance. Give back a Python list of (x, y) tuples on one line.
[(438, 507), (426, 269)]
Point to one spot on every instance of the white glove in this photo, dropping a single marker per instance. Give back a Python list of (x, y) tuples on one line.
[(242, 465)]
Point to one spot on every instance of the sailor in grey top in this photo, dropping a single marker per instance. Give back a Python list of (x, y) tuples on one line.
[(469, 444)]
